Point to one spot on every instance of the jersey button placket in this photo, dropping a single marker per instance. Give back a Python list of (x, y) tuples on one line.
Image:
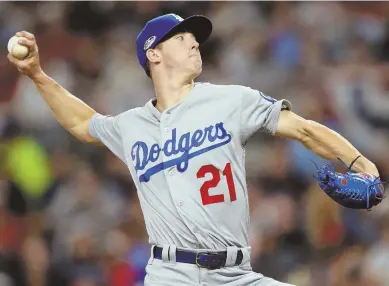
[(170, 172)]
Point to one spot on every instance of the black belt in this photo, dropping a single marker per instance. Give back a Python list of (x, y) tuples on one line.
[(210, 260)]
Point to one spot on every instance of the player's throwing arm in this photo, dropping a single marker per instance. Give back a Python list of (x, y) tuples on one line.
[(72, 113)]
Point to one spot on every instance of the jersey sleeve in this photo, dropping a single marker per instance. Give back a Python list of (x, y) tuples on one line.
[(260, 112), (106, 129)]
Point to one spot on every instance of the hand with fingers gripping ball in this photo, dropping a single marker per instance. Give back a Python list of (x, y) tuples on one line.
[(350, 189), (29, 65)]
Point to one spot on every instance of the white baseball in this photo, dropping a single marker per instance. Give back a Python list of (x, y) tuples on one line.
[(17, 50)]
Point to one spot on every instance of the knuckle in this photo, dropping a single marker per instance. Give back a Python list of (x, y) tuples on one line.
[(28, 34)]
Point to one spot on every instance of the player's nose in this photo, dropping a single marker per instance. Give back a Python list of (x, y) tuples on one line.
[(195, 45)]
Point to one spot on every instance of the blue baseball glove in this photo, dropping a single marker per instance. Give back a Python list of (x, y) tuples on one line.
[(351, 190)]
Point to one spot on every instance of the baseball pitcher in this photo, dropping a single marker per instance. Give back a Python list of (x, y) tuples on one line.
[(185, 150)]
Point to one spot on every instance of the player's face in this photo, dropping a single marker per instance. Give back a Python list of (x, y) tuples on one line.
[(181, 53)]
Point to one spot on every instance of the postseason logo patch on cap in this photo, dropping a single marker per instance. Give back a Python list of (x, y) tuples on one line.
[(177, 17), (149, 42)]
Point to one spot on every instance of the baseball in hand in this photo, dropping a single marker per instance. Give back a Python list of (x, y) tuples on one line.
[(17, 50)]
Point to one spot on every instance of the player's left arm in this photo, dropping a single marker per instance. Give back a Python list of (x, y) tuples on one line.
[(323, 141)]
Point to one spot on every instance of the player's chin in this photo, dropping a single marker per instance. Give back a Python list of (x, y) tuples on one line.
[(195, 68), (196, 61), (198, 66), (197, 71)]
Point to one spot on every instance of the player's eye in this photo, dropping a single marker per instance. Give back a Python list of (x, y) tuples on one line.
[(180, 37)]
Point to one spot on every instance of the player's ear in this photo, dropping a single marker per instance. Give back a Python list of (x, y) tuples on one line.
[(153, 55)]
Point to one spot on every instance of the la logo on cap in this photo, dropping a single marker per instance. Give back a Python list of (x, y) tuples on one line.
[(149, 42), (177, 17)]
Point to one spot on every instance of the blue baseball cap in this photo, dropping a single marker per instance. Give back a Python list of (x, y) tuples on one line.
[(163, 27)]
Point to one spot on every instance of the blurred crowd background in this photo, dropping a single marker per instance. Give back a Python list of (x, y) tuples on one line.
[(69, 214)]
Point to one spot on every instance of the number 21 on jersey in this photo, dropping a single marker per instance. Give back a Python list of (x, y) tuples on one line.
[(213, 182)]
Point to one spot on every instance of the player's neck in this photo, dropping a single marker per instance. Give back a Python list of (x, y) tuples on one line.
[(169, 93)]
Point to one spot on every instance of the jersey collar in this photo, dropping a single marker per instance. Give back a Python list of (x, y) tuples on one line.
[(157, 114)]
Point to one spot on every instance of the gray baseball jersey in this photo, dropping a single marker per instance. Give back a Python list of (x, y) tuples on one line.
[(188, 162)]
